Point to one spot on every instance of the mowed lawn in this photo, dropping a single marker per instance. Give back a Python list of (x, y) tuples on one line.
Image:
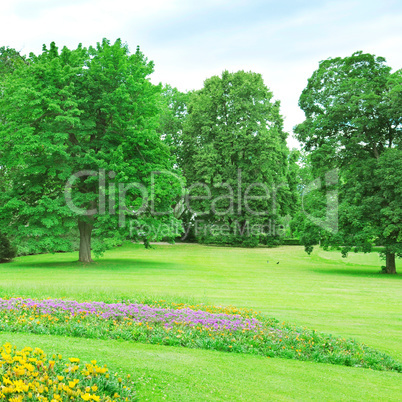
[(346, 297)]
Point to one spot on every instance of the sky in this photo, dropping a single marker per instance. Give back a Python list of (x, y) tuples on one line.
[(190, 41)]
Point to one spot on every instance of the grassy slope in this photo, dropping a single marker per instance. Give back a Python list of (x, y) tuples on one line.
[(325, 292), (179, 374)]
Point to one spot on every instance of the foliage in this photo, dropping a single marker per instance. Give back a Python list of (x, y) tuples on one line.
[(70, 111), (10, 59), (7, 252), (313, 203), (225, 329), (290, 242), (354, 123), (172, 117), (374, 197), (29, 375), (233, 147)]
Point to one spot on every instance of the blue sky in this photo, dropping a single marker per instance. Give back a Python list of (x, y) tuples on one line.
[(190, 41)]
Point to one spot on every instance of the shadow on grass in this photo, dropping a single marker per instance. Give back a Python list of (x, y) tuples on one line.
[(357, 272), (101, 264)]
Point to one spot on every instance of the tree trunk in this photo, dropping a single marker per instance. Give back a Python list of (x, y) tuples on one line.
[(390, 267), (85, 241)]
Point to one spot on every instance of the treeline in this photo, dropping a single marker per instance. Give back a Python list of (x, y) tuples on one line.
[(90, 149)]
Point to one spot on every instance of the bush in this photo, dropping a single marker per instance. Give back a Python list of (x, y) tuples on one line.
[(270, 241), (7, 253), (229, 240), (291, 242)]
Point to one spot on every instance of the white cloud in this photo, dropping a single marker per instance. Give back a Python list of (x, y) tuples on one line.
[(192, 40)]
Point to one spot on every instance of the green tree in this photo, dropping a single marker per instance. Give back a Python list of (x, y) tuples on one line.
[(7, 252), (232, 138), (172, 117), (92, 111), (309, 220), (10, 59), (354, 123)]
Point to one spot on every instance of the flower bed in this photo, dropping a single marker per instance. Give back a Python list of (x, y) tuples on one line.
[(207, 327), (140, 313), (29, 375)]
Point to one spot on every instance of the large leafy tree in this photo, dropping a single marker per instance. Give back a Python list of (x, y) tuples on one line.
[(79, 143), (10, 59), (354, 124), (234, 156)]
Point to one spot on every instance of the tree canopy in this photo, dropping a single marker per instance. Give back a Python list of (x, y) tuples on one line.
[(234, 157), (81, 126), (90, 149), (354, 124)]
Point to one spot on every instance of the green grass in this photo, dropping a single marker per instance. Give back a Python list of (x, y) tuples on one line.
[(345, 297), (180, 374)]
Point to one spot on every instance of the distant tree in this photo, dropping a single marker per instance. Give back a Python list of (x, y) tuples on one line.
[(233, 137), (172, 117), (7, 252), (92, 111), (309, 220), (354, 124), (10, 59)]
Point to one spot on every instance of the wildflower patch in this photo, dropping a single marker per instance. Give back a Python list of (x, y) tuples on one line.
[(207, 327)]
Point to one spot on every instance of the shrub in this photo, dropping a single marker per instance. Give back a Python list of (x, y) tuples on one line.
[(7, 252), (229, 240), (271, 241), (291, 242)]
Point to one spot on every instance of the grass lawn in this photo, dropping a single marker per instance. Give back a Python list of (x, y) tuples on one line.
[(345, 297)]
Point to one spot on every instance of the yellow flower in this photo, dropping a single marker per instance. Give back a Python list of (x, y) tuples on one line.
[(16, 399), (19, 370)]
